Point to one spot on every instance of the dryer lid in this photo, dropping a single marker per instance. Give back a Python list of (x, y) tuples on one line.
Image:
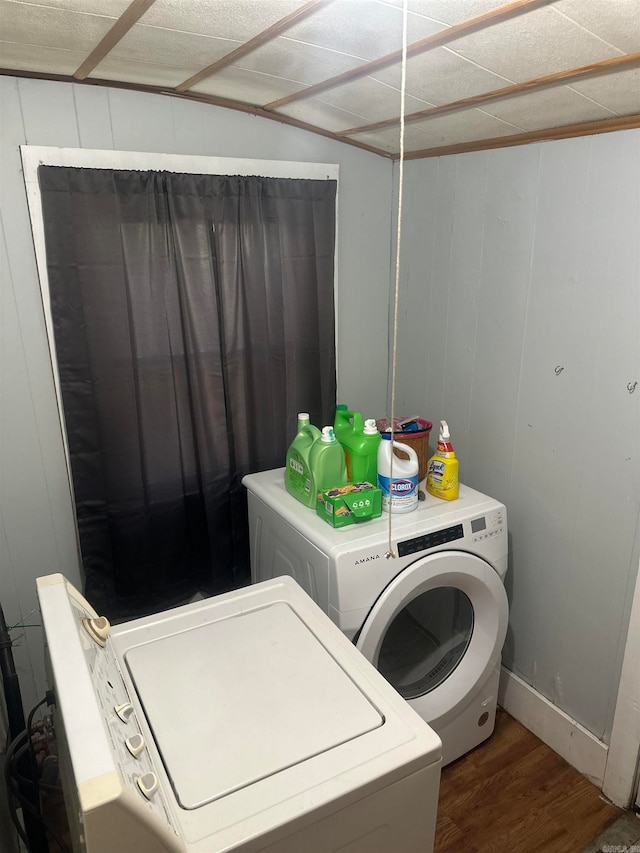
[(237, 700)]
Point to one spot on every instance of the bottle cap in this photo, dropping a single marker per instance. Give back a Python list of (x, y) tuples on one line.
[(370, 427), (328, 435), (303, 416)]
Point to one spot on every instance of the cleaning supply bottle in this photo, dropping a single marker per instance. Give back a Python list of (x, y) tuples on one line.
[(346, 423), (360, 443), (442, 472), (327, 462), (400, 493), (298, 476)]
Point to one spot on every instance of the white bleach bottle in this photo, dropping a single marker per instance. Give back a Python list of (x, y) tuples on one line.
[(401, 493)]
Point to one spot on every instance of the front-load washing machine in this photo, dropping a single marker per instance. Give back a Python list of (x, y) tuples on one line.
[(430, 612), (245, 722)]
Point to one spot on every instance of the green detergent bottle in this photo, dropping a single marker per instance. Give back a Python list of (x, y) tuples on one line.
[(297, 475), (327, 463), (360, 442)]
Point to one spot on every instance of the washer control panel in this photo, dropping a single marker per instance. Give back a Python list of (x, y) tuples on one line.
[(118, 713), (93, 706)]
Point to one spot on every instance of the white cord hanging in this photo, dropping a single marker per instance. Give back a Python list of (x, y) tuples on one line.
[(391, 553)]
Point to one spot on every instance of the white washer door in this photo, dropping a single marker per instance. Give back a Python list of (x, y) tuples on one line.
[(436, 632)]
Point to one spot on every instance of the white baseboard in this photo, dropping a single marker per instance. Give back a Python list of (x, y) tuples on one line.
[(564, 735)]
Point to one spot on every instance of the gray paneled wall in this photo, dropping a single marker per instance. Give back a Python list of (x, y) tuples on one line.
[(37, 535), (521, 327), (516, 263)]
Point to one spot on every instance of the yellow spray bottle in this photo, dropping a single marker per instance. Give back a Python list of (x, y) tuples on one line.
[(442, 472)]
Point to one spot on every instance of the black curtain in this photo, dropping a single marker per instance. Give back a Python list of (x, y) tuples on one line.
[(193, 318)]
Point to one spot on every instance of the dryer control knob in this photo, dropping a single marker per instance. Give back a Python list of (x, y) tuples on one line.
[(98, 629), (148, 784), (135, 745), (124, 711)]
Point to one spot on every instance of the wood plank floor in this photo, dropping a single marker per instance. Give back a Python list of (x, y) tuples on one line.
[(515, 795)]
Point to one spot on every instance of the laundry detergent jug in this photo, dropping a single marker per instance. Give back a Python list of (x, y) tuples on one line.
[(360, 442), (327, 463), (400, 493), (298, 476)]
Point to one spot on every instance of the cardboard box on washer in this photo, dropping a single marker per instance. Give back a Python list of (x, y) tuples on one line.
[(349, 504)]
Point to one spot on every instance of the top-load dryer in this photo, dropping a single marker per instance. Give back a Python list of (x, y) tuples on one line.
[(430, 612)]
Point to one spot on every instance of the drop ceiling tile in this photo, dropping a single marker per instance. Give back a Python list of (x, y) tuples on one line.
[(467, 126), (440, 76), (315, 112), (449, 11), (532, 45), (619, 92), (614, 21), (49, 60), (57, 28), (548, 108), (231, 19), (292, 60), (372, 99), (141, 72), (248, 87), (169, 47), (389, 140), (364, 28)]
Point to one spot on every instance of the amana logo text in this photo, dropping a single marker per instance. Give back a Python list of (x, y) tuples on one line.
[(367, 559)]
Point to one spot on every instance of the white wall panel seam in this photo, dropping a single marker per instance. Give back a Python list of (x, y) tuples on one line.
[(525, 319), (558, 674)]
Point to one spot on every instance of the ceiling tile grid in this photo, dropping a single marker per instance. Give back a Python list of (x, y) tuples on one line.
[(248, 87), (533, 45), (441, 76), (619, 92), (238, 20), (468, 125), (44, 60), (304, 44), (104, 8), (315, 112), (389, 140), (558, 106), (449, 12), (292, 60), (366, 29), (56, 28), (141, 72), (169, 47), (373, 100), (614, 21)]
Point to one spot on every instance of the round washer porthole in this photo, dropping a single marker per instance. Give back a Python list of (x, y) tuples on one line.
[(426, 641)]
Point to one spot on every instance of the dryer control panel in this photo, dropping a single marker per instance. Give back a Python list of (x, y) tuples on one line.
[(487, 526), (430, 540), (482, 527)]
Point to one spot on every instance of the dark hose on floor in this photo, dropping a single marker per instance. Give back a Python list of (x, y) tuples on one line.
[(15, 717)]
